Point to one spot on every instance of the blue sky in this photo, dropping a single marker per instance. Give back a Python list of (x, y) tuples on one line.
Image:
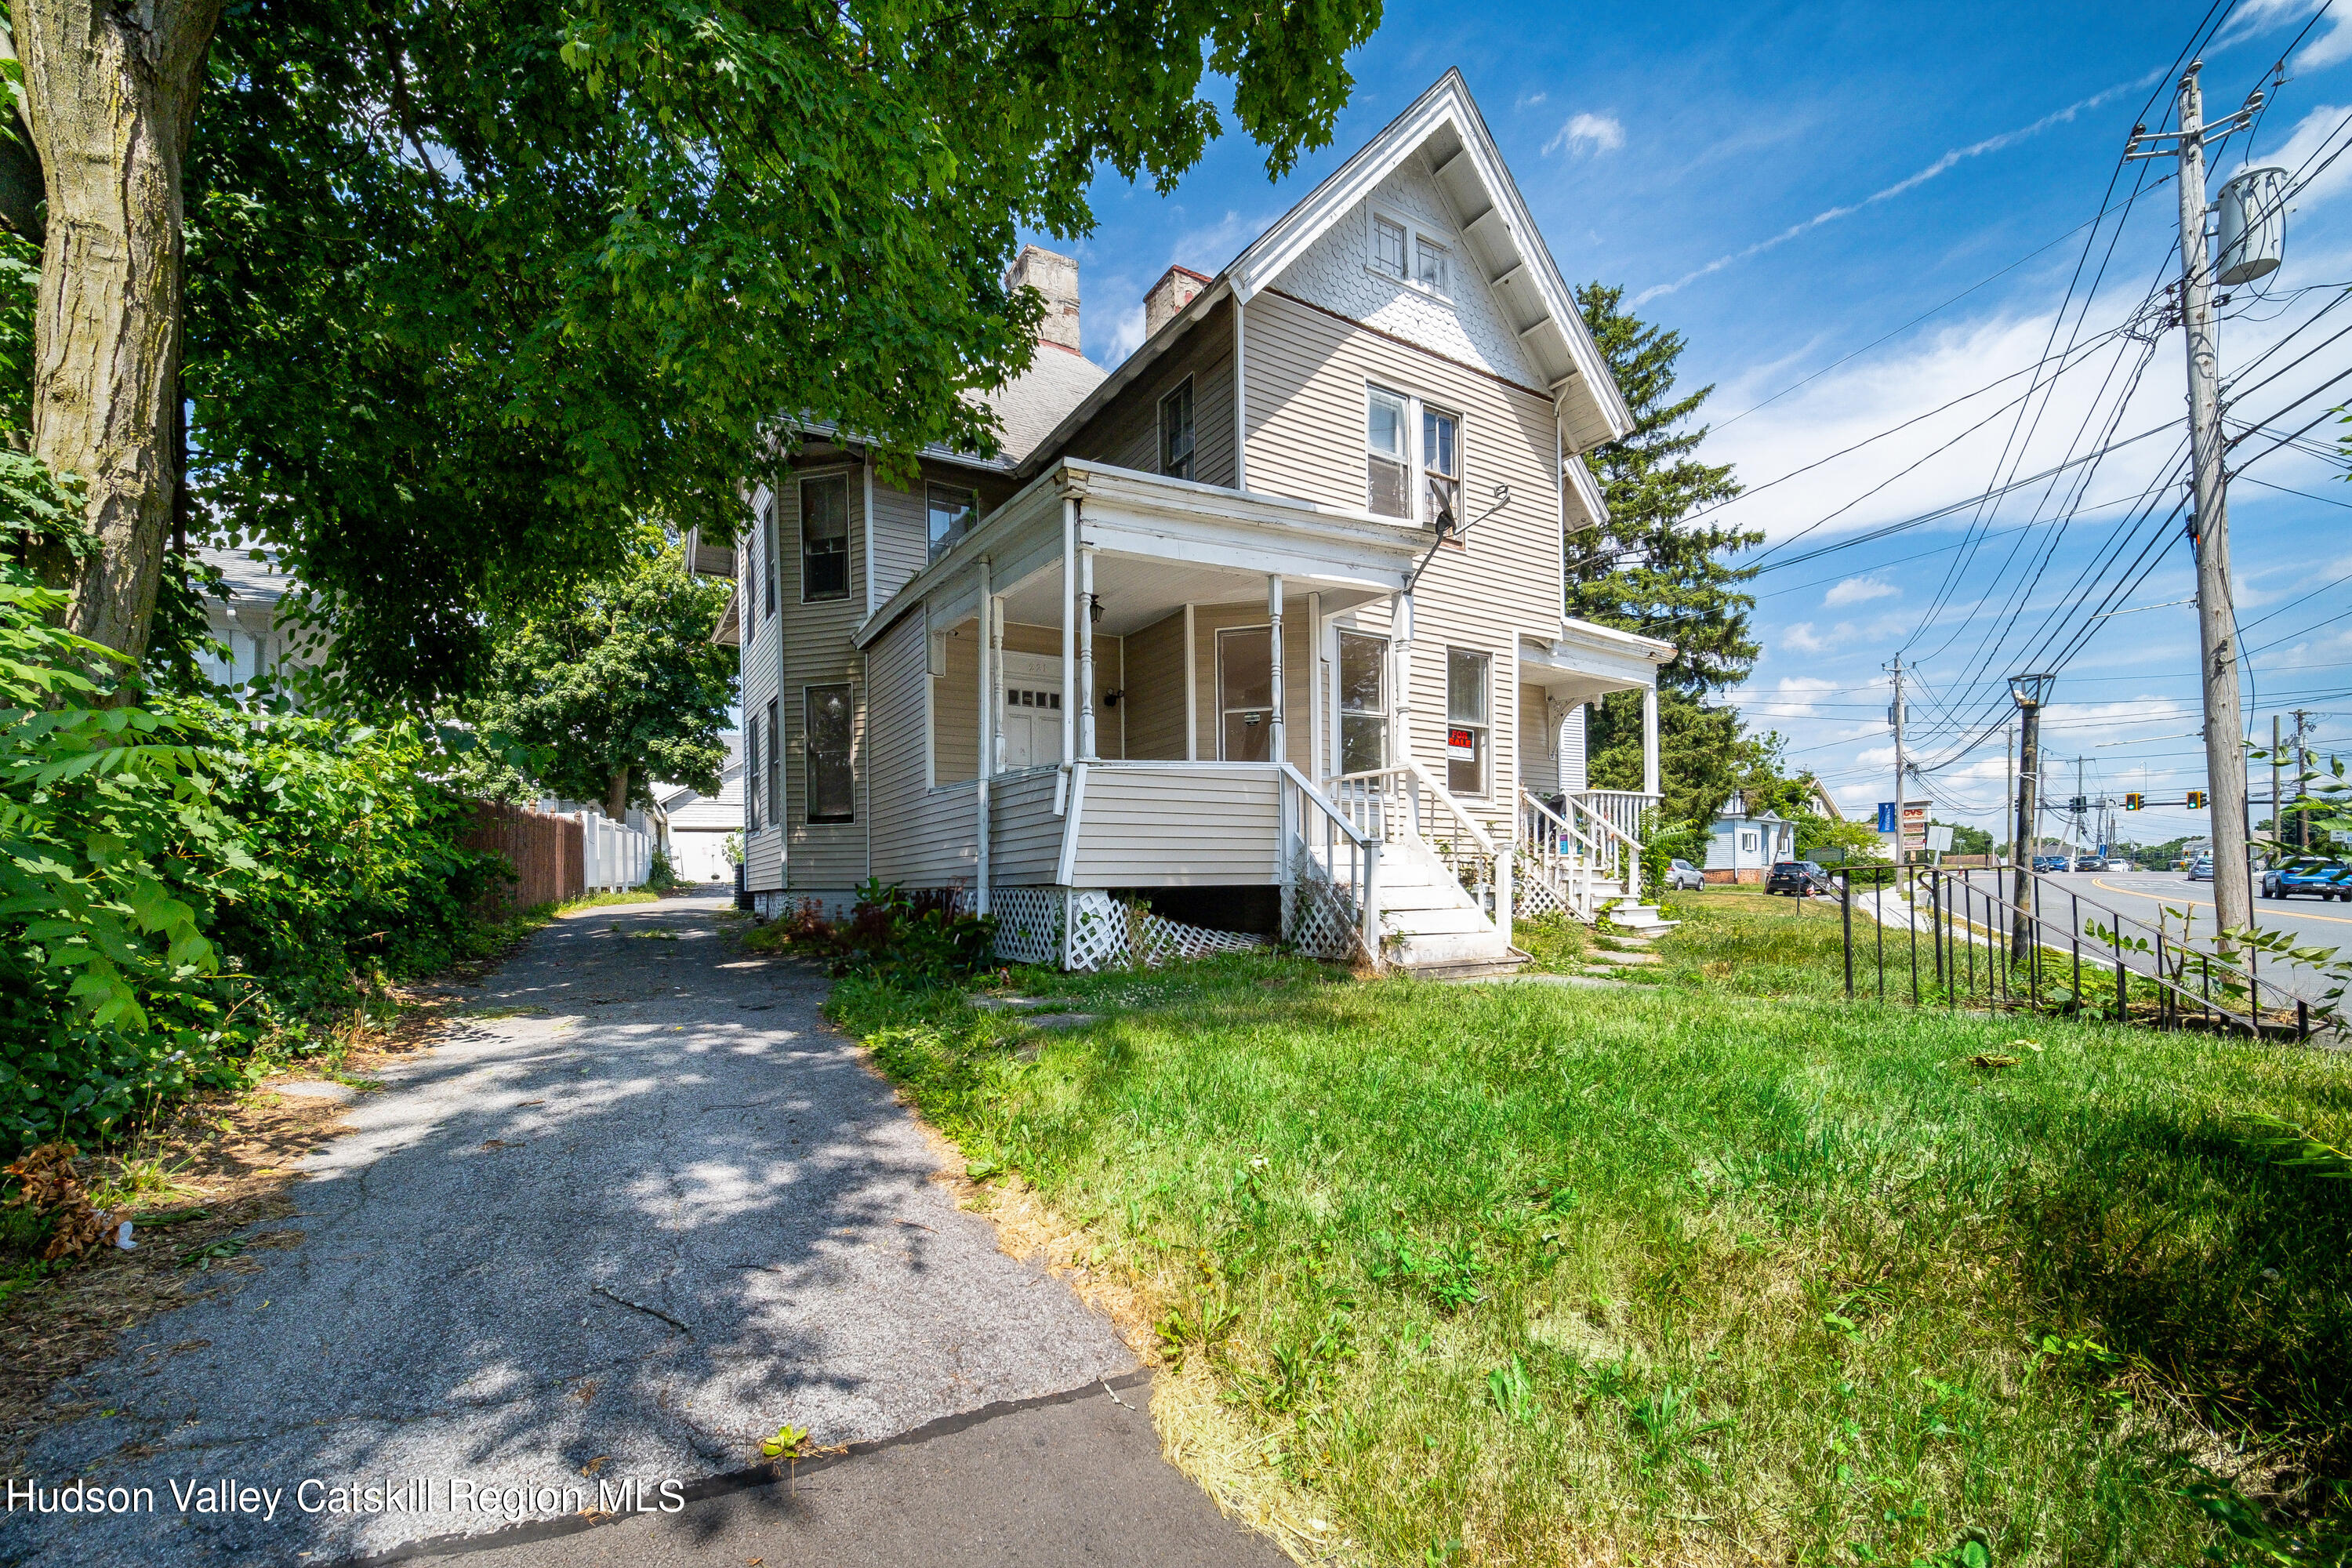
[(1787, 185)]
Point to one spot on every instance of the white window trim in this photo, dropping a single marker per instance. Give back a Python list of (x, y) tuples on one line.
[(856, 772), (1486, 760), (1415, 231), (850, 538), (1416, 492)]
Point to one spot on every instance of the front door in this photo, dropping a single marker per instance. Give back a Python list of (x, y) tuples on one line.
[(1031, 724)]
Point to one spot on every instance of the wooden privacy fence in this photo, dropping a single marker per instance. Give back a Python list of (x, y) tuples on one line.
[(545, 851)]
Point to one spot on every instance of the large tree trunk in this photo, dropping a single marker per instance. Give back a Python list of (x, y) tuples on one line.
[(616, 794), (111, 92)]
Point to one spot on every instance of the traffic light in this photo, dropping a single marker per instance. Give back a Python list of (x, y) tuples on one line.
[(2134, 801), (2195, 800), (2077, 806)]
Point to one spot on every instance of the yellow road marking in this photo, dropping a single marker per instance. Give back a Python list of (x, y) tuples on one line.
[(2207, 903)]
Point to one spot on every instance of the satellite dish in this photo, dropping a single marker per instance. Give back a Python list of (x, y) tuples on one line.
[(2253, 224)]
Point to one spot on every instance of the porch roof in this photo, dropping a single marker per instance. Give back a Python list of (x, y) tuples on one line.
[(1587, 653), (1159, 543)]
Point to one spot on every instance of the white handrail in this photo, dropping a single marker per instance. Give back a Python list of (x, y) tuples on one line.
[(1318, 837)]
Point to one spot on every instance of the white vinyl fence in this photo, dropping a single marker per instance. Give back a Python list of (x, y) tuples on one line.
[(614, 856)]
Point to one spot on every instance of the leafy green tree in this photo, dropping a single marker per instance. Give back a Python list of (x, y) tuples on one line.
[(1648, 570), (469, 287), (617, 683)]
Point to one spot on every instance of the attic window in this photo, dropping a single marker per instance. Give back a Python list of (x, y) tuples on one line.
[(1405, 248), (1431, 260), (953, 513)]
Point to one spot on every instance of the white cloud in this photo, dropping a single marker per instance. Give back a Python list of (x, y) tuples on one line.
[(2253, 18), (1800, 639), (2312, 132), (1911, 181), (1128, 336), (1859, 591), (1532, 100), (1586, 133)]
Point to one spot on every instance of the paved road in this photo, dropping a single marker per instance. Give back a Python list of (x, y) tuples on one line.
[(642, 1209)]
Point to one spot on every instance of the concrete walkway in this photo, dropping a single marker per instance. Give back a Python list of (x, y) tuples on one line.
[(636, 1212)]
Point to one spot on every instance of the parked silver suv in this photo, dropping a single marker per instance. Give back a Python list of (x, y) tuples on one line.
[(1682, 877)]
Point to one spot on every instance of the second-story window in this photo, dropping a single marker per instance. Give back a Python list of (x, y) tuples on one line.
[(824, 538), (952, 514), (1388, 246), (767, 547), (1388, 430), (1440, 466), (1176, 432)]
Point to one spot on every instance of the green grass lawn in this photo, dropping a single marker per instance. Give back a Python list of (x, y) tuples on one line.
[(1716, 1268)]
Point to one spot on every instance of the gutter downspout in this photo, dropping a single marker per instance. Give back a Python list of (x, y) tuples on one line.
[(1240, 404)]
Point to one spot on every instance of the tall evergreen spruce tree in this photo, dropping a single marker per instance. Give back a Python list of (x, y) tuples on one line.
[(1645, 570)]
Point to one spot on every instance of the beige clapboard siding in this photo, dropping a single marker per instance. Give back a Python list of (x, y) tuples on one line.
[(1297, 673), (1154, 703), (1308, 372), (1539, 757), (1128, 431), (1026, 850), (902, 540), (955, 707), (1176, 827), (814, 651), (761, 635), (923, 836)]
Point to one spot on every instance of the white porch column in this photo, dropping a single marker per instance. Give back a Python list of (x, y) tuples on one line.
[(1274, 615), (984, 765), (1084, 615), (1650, 737), (1400, 652), (1069, 633), (996, 684)]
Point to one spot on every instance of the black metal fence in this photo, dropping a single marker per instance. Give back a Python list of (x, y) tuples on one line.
[(1961, 941)]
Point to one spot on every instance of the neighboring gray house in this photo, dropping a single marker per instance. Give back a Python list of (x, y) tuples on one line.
[(694, 829), (247, 621), (1742, 848)]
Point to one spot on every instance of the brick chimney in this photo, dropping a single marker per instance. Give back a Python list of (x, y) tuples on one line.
[(1177, 288), (1056, 278)]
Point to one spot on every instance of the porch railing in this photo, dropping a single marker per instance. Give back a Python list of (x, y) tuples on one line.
[(1575, 868), (1331, 875), (1409, 804)]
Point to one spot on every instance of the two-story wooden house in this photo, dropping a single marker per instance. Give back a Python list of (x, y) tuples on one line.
[(1263, 630)]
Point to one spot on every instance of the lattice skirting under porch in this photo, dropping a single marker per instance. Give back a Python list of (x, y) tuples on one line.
[(1532, 894), (1087, 929)]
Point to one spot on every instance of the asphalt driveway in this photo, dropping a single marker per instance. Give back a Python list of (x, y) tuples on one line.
[(641, 1208)]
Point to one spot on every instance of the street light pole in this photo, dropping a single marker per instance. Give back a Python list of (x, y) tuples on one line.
[(2029, 691)]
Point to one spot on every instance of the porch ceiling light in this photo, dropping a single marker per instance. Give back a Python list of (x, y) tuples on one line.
[(2031, 691)]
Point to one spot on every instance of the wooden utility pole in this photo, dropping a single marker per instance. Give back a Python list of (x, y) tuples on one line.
[(2225, 761)]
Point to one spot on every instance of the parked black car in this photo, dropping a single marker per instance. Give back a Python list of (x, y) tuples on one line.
[(1798, 879)]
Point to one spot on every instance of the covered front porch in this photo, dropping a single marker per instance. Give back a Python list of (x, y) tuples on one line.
[(1152, 692)]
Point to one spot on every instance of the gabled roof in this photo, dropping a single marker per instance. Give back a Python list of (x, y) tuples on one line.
[(1501, 237), (1444, 124)]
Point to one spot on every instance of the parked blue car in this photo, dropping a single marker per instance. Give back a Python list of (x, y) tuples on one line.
[(2325, 881)]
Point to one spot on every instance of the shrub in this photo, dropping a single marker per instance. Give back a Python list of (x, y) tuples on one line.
[(182, 880), (913, 939)]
